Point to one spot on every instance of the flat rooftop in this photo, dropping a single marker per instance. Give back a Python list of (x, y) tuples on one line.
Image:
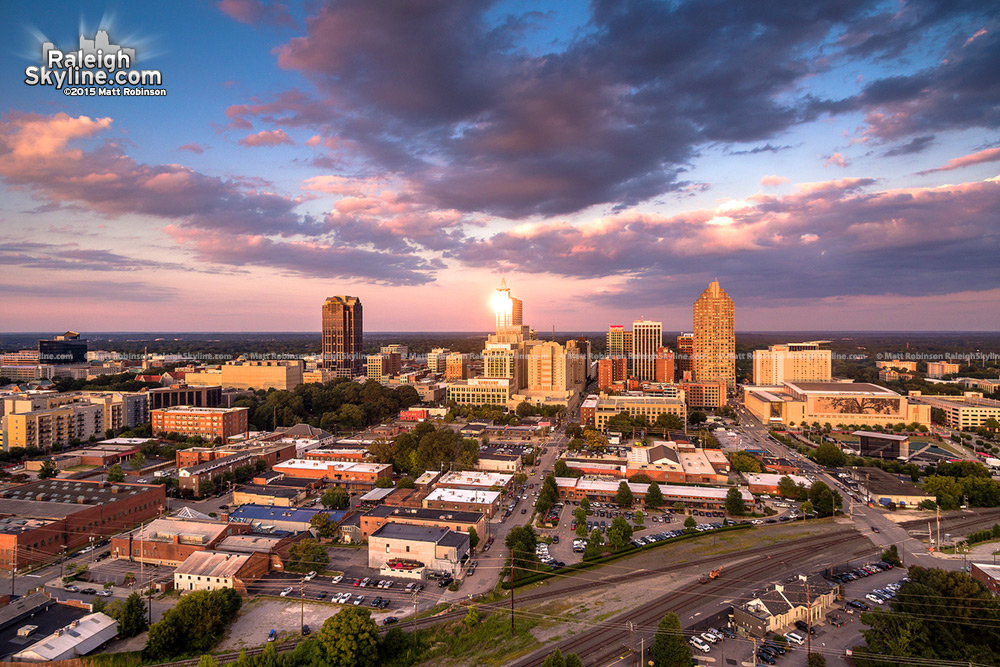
[(487, 479), (405, 531), (188, 531), (840, 388), (187, 410), (59, 498), (464, 496), (424, 514), (883, 436)]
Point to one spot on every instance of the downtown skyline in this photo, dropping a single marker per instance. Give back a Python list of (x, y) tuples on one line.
[(833, 165)]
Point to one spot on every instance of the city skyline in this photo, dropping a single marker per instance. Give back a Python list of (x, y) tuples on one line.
[(834, 165)]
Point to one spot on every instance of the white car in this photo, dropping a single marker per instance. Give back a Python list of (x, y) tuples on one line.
[(358, 600), (339, 578), (285, 592), (700, 644), (709, 637), (345, 598), (310, 576), (877, 599)]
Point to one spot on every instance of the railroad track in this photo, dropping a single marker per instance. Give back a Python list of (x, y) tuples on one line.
[(603, 642)]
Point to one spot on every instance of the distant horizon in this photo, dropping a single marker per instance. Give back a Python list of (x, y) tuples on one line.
[(537, 331)]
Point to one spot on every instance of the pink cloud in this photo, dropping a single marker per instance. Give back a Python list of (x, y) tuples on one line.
[(194, 148), (836, 159), (988, 155), (979, 33), (773, 181), (256, 12), (266, 138)]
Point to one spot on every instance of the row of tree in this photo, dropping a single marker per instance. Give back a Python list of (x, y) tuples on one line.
[(427, 447)]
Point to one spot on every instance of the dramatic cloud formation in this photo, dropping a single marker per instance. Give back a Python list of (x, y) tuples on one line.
[(70, 256), (36, 154), (988, 155), (829, 238)]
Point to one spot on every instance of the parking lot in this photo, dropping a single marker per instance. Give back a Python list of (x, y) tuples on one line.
[(829, 639), (321, 589)]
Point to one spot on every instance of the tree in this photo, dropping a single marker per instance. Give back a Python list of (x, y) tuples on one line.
[(620, 533), (735, 504), (336, 498), (830, 455), (560, 469), (787, 487), (669, 648), (891, 555), (594, 544), (383, 483), (194, 625), (743, 462), (696, 417), (471, 619), (137, 462), (48, 469), (132, 617), (574, 430), (554, 659), (816, 660), (473, 537), (573, 660), (521, 540), (807, 508), (822, 498), (654, 497), (323, 525), (306, 555), (207, 660), (689, 524), (679, 506), (350, 638), (624, 496), (640, 517), (669, 422), (585, 505)]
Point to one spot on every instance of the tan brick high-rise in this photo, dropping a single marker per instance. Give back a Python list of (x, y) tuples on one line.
[(714, 337), (343, 333)]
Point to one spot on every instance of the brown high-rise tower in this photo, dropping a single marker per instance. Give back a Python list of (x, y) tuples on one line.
[(714, 337), (343, 334)]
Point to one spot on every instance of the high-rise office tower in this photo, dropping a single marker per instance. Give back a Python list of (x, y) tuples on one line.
[(516, 312), (714, 337), (647, 337), (682, 360), (792, 362), (437, 359), (343, 333)]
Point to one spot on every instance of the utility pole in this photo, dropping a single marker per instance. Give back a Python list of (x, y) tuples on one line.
[(938, 519), (631, 642), (512, 591), (809, 621), (415, 618), (302, 605), (13, 571)]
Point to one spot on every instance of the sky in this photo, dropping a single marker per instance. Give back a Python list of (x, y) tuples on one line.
[(833, 164)]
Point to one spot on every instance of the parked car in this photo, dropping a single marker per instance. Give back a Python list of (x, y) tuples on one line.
[(104, 594), (339, 578), (272, 635), (89, 591), (72, 589), (389, 620), (310, 575), (358, 600), (286, 592), (321, 595), (700, 644), (305, 629)]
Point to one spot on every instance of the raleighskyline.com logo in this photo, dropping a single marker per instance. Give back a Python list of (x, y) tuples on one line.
[(97, 68)]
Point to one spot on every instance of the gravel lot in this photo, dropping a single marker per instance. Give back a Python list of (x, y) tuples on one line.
[(256, 619)]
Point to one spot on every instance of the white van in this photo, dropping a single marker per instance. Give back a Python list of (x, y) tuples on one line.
[(795, 638)]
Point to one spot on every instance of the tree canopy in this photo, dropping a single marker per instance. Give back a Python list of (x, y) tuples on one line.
[(669, 647)]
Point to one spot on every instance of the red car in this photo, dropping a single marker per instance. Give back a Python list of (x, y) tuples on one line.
[(357, 582)]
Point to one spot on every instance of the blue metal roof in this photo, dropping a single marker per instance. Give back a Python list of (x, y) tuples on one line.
[(266, 513)]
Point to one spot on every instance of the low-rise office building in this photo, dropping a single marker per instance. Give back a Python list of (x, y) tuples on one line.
[(480, 391), (214, 570), (170, 541), (464, 500), (351, 476), (776, 608), (835, 403), (475, 481), (649, 407), (458, 521), (79, 638), (207, 396), (768, 482), (427, 548), (503, 463), (40, 519), (601, 490), (966, 412), (268, 374), (266, 519), (887, 446), (277, 496)]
